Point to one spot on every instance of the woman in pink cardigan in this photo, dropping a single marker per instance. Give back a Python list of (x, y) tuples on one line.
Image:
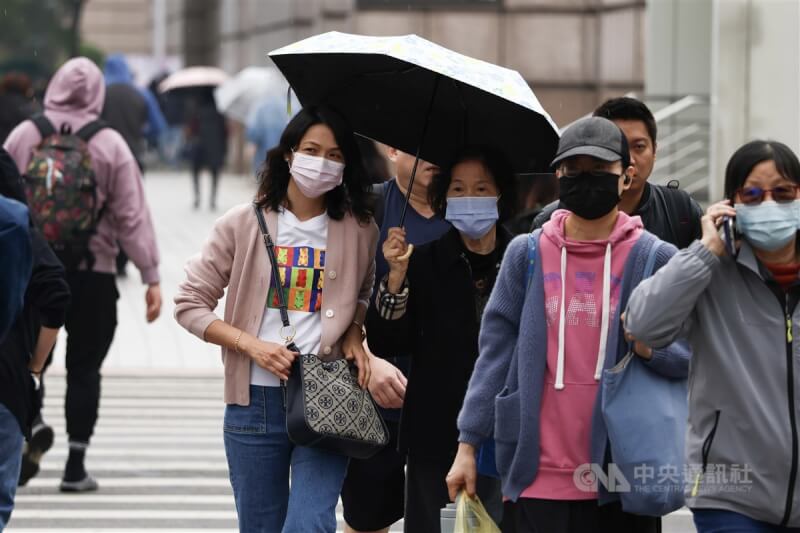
[(315, 198)]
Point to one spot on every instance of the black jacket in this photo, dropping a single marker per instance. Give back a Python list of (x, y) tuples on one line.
[(440, 331), (46, 301), (125, 110), (670, 214)]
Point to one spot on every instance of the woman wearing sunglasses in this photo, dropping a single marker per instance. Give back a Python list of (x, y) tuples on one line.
[(738, 309)]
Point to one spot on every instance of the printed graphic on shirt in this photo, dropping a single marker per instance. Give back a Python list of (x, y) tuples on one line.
[(301, 269), (583, 308)]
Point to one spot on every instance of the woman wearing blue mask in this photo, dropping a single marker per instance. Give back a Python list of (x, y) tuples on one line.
[(737, 305), (430, 306)]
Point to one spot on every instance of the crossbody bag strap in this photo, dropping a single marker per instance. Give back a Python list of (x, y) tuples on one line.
[(287, 331)]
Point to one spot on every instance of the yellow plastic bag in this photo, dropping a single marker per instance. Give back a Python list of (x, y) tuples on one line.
[(471, 516)]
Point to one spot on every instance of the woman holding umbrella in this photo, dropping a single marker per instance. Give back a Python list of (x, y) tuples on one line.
[(314, 197), (430, 306)]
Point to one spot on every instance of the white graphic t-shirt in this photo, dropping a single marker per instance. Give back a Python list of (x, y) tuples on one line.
[(300, 255)]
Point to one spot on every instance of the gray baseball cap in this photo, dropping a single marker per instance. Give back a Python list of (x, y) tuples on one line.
[(596, 137)]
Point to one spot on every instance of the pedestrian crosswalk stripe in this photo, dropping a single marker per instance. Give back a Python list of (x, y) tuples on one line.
[(196, 499), (109, 482), (214, 453), (124, 514), (158, 455)]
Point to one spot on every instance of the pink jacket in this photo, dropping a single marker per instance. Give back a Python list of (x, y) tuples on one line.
[(234, 258), (75, 97)]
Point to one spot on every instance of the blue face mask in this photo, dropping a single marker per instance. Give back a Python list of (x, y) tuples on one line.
[(769, 225), (473, 216)]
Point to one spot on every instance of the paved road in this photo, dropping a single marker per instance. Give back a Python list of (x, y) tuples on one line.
[(158, 452)]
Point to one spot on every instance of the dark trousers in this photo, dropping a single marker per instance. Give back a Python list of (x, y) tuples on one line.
[(214, 181), (90, 325), (426, 494), (528, 515)]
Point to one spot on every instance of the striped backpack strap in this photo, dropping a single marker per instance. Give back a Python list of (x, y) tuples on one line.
[(651, 259)]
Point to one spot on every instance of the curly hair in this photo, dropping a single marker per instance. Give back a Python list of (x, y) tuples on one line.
[(352, 196), (499, 168)]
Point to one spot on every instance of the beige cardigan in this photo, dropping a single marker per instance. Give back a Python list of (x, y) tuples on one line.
[(235, 257)]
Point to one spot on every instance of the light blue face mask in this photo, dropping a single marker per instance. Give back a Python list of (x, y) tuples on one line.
[(473, 216), (768, 225)]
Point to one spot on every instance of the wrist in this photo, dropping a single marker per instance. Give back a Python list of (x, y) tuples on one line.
[(466, 449), (714, 245), (242, 343), (357, 329), (395, 281)]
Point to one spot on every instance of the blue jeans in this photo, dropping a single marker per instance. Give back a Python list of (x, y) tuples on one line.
[(11, 440), (719, 521), (261, 459)]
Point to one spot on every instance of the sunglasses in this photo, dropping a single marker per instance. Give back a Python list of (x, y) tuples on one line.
[(755, 195)]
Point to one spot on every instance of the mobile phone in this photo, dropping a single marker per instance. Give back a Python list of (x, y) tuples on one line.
[(727, 227)]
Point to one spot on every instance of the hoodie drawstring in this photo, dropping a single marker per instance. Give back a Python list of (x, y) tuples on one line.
[(562, 322), (604, 322), (601, 350)]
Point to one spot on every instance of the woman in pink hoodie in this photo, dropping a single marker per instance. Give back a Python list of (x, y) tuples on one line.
[(74, 98)]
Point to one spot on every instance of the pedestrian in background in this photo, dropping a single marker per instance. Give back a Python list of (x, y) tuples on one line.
[(547, 335), (25, 349), (134, 113), (207, 143), (314, 195), (668, 213), (266, 124), (16, 102), (373, 495), (736, 302), (430, 306), (73, 100)]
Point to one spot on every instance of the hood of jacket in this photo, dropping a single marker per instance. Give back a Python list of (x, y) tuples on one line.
[(626, 227), (76, 89), (116, 70)]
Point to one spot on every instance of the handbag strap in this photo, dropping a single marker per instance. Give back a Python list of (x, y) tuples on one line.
[(276, 276)]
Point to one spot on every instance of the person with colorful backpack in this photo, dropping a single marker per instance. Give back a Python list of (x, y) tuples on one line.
[(85, 193)]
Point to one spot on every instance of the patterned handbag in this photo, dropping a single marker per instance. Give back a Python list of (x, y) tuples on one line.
[(324, 405)]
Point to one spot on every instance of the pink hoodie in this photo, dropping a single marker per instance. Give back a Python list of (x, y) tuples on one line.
[(75, 96), (576, 340)]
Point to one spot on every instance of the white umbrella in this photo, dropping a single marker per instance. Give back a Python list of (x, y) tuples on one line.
[(238, 96), (193, 77)]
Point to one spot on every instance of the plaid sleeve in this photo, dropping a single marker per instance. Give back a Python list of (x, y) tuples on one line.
[(391, 306)]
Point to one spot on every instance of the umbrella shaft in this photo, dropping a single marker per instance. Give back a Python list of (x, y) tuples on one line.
[(419, 149)]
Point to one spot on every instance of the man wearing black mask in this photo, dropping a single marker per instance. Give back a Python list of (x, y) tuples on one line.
[(668, 213)]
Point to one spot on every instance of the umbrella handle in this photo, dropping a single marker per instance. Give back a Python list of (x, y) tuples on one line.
[(419, 148)]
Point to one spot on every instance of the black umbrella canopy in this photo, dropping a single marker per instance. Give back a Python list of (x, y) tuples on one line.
[(456, 100)]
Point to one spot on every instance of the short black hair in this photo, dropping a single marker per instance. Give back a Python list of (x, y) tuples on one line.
[(627, 108), (351, 196), (499, 168), (743, 160)]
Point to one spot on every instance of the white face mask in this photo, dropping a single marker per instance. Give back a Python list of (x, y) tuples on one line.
[(314, 175)]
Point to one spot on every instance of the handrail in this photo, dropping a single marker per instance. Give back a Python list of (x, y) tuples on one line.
[(676, 107), (679, 135)]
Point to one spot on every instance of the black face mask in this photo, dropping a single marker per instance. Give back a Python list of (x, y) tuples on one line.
[(589, 195)]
